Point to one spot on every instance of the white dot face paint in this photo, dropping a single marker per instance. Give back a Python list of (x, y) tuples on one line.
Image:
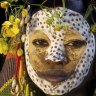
[(58, 46)]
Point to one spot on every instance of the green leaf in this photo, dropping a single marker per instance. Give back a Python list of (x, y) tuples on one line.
[(89, 11), (93, 28)]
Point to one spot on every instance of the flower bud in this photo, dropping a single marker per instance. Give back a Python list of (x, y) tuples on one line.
[(24, 13), (11, 18), (57, 27), (17, 20), (4, 4), (19, 52)]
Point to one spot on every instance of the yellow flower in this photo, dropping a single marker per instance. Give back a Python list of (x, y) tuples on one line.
[(17, 21), (15, 28), (5, 30), (6, 23), (24, 13), (11, 18), (3, 46), (4, 4), (9, 29)]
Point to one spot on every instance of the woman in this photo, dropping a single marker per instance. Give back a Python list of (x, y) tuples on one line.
[(48, 63)]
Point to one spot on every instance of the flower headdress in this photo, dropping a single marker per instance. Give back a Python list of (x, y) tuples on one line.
[(11, 38)]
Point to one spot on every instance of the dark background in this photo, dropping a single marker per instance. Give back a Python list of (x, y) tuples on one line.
[(2, 18), (76, 5)]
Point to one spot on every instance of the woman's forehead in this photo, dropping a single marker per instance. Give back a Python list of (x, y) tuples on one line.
[(73, 19), (64, 35)]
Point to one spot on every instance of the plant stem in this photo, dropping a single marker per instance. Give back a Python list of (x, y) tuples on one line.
[(63, 1)]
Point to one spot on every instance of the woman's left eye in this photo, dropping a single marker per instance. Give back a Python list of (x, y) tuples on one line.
[(77, 43), (40, 43)]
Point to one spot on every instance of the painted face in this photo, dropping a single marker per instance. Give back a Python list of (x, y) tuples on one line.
[(63, 56), (58, 61)]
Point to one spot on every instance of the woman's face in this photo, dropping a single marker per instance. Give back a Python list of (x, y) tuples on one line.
[(50, 69), (58, 61)]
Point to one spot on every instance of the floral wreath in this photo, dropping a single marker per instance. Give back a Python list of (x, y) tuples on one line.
[(12, 36)]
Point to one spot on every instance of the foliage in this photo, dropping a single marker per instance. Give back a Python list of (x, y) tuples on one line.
[(14, 23)]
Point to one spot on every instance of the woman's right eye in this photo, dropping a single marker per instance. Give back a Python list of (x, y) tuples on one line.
[(40, 43)]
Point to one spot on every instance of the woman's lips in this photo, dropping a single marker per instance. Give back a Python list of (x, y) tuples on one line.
[(53, 76), (55, 79)]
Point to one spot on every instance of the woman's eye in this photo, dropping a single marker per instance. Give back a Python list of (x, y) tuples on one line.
[(77, 43), (40, 43)]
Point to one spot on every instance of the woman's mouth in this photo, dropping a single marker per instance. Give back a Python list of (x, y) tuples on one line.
[(55, 79), (53, 76)]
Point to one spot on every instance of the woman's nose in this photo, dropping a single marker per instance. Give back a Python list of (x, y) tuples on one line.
[(55, 57), (63, 61), (57, 54)]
